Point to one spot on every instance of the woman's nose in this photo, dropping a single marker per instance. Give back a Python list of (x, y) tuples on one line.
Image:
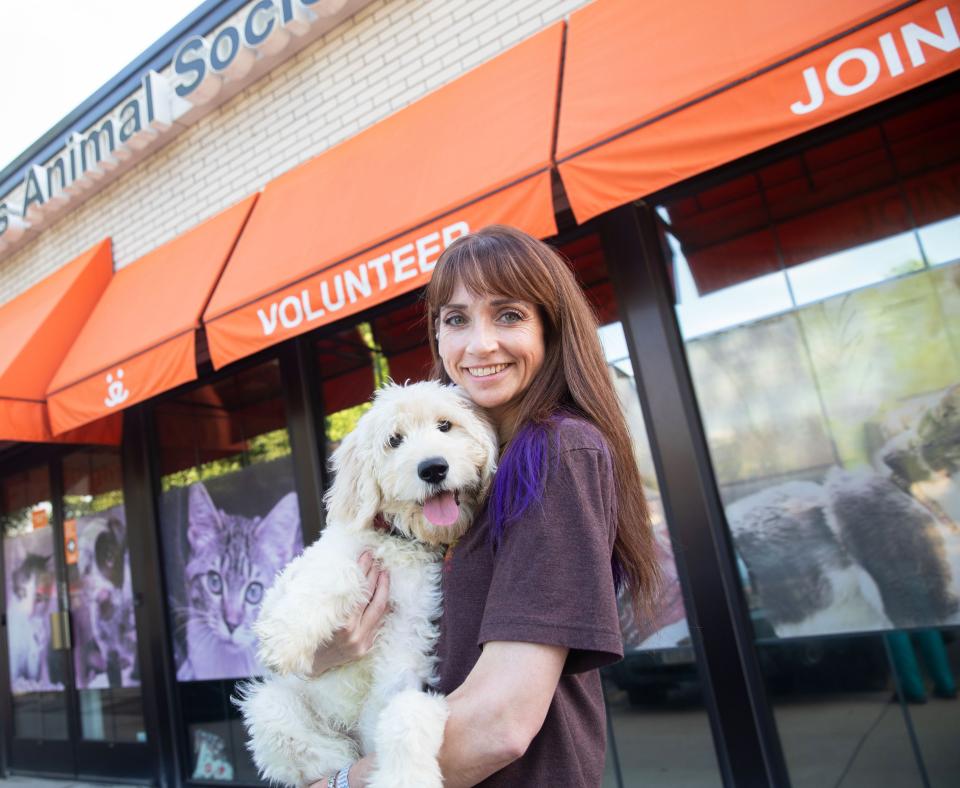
[(483, 338)]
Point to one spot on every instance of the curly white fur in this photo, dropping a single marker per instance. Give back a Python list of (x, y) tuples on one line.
[(301, 728)]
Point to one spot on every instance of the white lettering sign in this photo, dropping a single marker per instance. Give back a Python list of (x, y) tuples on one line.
[(857, 69), (89, 159), (354, 284)]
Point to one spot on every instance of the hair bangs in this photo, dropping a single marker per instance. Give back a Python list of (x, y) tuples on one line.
[(487, 264)]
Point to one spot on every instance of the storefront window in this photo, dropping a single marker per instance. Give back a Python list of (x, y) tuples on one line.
[(356, 361), (819, 302), (351, 369), (38, 664), (102, 602), (229, 522)]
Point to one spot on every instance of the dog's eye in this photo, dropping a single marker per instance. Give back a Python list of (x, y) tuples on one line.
[(443, 426), (396, 440)]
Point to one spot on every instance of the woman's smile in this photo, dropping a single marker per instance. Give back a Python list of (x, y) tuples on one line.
[(486, 372)]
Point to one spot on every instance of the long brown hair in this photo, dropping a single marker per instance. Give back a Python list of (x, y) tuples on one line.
[(504, 261)]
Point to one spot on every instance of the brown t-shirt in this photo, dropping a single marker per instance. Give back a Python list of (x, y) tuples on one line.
[(549, 581)]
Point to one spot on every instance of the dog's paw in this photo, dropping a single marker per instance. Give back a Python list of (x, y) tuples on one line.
[(290, 745), (407, 741), (310, 600), (285, 645)]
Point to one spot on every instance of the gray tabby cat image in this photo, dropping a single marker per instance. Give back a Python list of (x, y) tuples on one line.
[(106, 648), (232, 560), (31, 592)]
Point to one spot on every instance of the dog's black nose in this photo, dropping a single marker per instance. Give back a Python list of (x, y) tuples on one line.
[(433, 470)]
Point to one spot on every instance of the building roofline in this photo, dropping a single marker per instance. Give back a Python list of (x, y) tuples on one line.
[(205, 18)]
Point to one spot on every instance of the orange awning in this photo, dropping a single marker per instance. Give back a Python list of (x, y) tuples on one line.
[(658, 91), (366, 220), (36, 330), (140, 341)]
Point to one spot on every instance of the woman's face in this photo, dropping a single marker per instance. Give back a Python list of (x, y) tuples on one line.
[(491, 346)]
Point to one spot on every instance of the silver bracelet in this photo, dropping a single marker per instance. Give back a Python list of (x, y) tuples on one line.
[(343, 778)]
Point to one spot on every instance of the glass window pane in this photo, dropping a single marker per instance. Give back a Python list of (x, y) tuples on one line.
[(38, 672), (941, 241), (853, 268), (100, 585), (351, 366), (229, 522), (834, 435)]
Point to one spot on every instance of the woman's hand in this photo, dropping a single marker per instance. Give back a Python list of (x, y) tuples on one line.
[(356, 638), (356, 777)]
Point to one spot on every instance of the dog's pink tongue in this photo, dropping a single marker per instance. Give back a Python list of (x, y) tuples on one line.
[(441, 509)]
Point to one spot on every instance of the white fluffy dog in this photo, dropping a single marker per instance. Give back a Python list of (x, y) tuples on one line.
[(422, 459)]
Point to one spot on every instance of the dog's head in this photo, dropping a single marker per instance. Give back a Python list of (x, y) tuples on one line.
[(422, 456)]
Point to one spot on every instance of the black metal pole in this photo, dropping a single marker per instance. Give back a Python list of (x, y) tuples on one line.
[(302, 394), (153, 638)]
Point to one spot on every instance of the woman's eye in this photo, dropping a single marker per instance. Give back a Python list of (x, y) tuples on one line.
[(396, 440), (453, 320), (254, 593), (443, 426), (511, 317), (214, 582)]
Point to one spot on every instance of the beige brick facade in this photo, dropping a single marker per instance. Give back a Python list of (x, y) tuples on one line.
[(389, 54)]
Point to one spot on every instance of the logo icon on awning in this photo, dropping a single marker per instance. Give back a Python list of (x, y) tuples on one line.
[(116, 391)]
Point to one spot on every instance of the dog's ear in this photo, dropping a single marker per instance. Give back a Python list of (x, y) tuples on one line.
[(354, 498)]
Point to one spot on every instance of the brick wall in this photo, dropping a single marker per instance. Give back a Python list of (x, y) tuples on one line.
[(389, 54)]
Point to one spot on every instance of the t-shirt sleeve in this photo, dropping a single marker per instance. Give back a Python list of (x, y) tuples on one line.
[(552, 580)]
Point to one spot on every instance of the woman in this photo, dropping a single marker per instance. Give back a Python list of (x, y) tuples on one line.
[(529, 592)]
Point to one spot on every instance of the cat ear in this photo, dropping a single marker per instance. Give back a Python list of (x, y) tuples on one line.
[(278, 534), (203, 519), (354, 498)]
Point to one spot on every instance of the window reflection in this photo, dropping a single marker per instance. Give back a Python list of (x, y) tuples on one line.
[(38, 672), (940, 240), (834, 433), (654, 695), (106, 666), (229, 521)]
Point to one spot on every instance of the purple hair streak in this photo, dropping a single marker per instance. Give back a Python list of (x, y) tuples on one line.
[(520, 479), (521, 475)]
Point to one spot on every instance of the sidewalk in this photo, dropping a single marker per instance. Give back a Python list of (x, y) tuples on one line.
[(18, 781)]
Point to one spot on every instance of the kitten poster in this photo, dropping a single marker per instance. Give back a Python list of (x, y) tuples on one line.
[(101, 601), (31, 592), (225, 539)]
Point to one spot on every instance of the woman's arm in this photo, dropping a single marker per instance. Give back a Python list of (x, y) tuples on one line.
[(498, 709), (494, 714)]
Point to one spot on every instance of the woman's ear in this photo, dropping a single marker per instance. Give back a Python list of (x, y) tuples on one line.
[(354, 498)]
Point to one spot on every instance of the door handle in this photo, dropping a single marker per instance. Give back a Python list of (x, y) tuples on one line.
[(60, 630)]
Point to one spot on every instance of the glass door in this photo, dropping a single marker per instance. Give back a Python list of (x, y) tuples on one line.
[(35, 598), (111, 738), (71, 640)]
